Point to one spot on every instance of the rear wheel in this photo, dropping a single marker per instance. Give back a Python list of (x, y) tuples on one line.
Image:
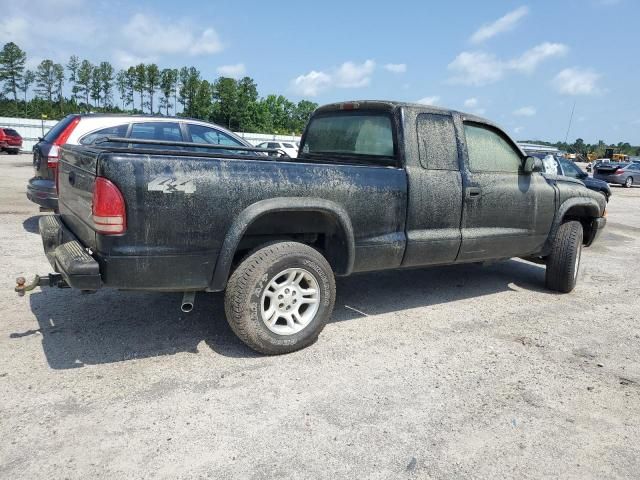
[(280, 297), (563, 263), (628, 182)]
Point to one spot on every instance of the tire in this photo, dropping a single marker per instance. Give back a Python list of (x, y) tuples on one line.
[(264, 286), (13, 152), (563, 262), (628, 182)]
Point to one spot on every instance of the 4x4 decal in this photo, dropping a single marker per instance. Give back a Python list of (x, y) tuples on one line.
[(171, 185)]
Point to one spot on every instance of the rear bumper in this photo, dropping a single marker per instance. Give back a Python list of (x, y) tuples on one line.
[(597, 226), (67, 256), (43, 192)]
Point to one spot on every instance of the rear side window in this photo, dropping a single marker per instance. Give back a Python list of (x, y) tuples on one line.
[(437, 141), (490, 152), (273, 145), (11, 132), (115, 131), (351, 134), (58, 128), (287, 145)]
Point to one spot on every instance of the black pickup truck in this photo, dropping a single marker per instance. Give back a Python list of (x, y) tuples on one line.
[(376, 185)]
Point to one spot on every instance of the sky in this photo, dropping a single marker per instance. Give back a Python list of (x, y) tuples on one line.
[(523, 65)]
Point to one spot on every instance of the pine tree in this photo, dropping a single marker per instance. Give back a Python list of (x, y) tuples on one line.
[(73, 66), (12, 60)]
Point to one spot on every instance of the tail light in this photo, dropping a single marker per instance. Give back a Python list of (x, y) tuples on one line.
[(619, 171), (108, 210), (54, 153)]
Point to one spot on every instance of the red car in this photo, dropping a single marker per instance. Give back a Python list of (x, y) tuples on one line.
[(10, 141)]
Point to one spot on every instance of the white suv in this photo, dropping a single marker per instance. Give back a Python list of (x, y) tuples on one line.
[(289, 147)]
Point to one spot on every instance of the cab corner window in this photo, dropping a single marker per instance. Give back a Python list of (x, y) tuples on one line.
[(490, 152), (437, 142), (355, 135)]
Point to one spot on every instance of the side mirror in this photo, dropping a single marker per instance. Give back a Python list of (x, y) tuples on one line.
[(532, 164)]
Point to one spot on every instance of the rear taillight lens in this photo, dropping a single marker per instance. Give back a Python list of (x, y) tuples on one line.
[(54, 154), (619, 171), (108, 210)]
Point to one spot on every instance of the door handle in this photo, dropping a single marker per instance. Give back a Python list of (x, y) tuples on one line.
[(72, 178), (473, 192)]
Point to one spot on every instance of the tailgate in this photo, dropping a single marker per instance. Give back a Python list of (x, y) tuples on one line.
[(76, 179)]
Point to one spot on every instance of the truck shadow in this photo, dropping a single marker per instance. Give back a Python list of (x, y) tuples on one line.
[(111, 326)]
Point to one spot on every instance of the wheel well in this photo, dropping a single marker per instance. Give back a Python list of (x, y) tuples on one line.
[(320, 230), (585, 216)]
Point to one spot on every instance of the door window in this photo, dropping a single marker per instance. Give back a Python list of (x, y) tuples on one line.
[(490, 152), (166, 131), (212, 136), (437, 142)]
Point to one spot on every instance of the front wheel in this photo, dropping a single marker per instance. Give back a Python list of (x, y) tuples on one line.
[(280, 297), (563, 263), (628, 182)]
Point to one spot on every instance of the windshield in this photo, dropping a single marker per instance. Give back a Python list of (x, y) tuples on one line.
[(571, 169), (351, 134)]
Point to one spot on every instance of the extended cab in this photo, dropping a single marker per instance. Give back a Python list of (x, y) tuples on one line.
[(376, 185)]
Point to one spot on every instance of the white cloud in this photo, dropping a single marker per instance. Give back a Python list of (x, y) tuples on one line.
[(525, 111), (577, 81), (312, 83), (481, 68), (471, 102), (434, 100), (233, 71), (479, 111), (347, 75), (529, 60), (147, 36), (518, 129), (503, 24), (476, 68), (353, 75), (396, 67)]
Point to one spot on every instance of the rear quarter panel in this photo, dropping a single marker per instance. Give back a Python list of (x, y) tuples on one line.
[(183, 207)]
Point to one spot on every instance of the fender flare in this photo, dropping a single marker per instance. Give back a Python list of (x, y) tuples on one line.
[(281, 204), (589, 203)]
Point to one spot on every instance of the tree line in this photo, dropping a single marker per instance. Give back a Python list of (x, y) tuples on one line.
[(581, 148), (142, 88)]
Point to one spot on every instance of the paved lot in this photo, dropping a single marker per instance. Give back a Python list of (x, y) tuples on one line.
[(464, 371)]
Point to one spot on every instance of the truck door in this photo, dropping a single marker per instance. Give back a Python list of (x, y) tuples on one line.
[(506, 212), (435, 190)]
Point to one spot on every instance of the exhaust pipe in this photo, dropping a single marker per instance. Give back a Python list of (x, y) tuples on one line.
[(188, 299)]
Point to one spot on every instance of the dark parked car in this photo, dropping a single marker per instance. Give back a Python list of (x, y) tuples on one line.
[(10, 141), (561, 166), (625, 174), (377, 185), (86, 129)]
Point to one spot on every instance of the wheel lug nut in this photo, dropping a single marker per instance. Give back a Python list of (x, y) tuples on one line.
[(286, 290), (279, 297), (281, 305)]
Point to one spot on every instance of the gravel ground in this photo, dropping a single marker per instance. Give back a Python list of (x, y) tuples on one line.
[(464, 371)]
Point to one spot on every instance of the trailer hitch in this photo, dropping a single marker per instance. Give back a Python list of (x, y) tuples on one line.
[(51, 280)]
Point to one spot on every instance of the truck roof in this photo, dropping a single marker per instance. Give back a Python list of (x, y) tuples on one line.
[(393, 104)]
